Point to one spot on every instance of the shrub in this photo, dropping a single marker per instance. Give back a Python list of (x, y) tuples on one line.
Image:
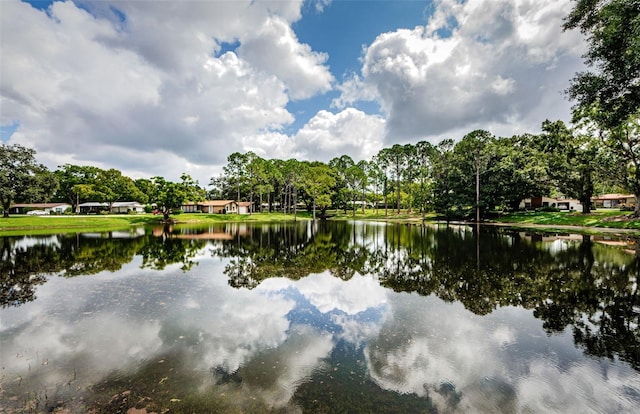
[(548, 209)]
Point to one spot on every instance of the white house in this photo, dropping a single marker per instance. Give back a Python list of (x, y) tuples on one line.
[(614, 200), (211, 207), (126, 207), (48, 208), (244, 207), (564, 204), (569, 204), (117, 207)]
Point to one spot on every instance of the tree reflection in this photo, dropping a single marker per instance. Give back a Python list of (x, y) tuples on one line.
[(22, 270), (28, 261), (158, 253), (567, 283), (579, 284)]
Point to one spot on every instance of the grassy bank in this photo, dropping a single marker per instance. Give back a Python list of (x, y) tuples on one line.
[(17, 225), (603, 218)]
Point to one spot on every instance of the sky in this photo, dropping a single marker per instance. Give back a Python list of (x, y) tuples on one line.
[(171, 87)]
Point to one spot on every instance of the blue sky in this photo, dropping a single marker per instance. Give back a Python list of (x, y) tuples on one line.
[(162, 88), (342, 30)]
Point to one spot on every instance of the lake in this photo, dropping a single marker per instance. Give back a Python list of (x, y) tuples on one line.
[(335, 317)]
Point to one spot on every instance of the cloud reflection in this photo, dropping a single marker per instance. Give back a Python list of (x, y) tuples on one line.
[(86, 328), (500, 363)]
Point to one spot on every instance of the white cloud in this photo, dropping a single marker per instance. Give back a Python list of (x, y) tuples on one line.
[(475, 64), (147, 89), (275, 48), (272, 145), (161, 89), (325, 136), (352, 132)]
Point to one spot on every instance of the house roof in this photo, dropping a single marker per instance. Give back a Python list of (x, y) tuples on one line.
[(613, 196), (244, 203), (214, 203), (39, 205), (125, 204), (93, 204)]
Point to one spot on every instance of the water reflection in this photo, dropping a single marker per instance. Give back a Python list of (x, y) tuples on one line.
[(326, 317)]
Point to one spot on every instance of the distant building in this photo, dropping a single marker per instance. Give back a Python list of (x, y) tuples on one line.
[(47, 208), (566, 204), (244, 207), (117, 207), (210, 207), (614, 200), (127, 207)]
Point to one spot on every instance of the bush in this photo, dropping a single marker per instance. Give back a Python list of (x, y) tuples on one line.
[(548, 209), (148, 209)]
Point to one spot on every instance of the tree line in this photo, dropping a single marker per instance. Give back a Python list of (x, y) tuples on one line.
[(23, 180), (450, 178), (481, 172)]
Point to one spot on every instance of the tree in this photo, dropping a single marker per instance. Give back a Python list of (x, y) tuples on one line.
[(290, 175), (257, 175), (381, 159), (274, 172), (376, 177), (363, 165), (170, 196), (473, 154), (145, 186), (612, 28), (620, 163), (609, 94), (344, 194), (76, 183), (319, 180), (520, 170), (396, 160), (112, 186), (356, 179), (423, 154), (571, 161), (21, 177), (236, 172)]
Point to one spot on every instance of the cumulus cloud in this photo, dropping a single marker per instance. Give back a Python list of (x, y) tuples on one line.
[(475, 64), (351, 131), (139, 88), (325, 136), (275, 48), (177, 86)]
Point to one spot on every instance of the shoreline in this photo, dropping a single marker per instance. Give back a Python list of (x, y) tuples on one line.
[(31, 225)]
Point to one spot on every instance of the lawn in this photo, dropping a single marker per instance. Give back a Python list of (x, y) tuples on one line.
[(21, 225), (608, 218)]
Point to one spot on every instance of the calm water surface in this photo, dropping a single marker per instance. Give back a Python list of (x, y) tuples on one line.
[(325, 318)]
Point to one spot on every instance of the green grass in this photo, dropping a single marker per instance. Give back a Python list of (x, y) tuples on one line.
[(607, 218), (372, 214), (23, 225)]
